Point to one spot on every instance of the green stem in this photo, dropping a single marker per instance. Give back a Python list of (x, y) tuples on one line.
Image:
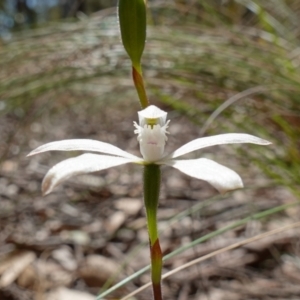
[(151, 195)]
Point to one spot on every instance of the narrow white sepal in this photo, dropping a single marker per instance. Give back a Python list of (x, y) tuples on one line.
[(83, 145), (219, 176), (85, 163), (229, 138)]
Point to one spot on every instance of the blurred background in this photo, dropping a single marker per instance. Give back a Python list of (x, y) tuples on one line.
[(216, 67), (24, 14)]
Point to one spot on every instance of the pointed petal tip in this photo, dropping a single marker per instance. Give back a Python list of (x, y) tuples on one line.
[(238, 186), (46, 185), (45, 193), (46, 190), (264, 142), (34, 152), (31, 153)]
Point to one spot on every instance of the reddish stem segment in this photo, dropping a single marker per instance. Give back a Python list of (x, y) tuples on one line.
[(157, 291), (140, 87), (156, 260)]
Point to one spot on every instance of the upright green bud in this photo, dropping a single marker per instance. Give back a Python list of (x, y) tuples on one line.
[(132, 18)]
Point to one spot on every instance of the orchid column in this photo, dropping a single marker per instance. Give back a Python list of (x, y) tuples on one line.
[(132, 18)]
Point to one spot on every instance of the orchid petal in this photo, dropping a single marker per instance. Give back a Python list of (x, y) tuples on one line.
[(220, 177), (229, 138), (85, 163), (83, 145)]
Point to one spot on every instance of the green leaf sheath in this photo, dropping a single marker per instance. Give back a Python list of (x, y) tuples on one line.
[(156, 259), (132, 18)]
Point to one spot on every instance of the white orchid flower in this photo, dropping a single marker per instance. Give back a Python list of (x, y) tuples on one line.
[(152, 136)]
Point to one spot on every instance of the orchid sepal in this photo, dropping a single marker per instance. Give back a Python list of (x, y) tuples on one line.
[(83, 164), (221, 139), (220, 177), (83, 145)]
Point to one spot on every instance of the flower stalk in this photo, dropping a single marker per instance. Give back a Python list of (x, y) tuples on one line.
[(152, 178)]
